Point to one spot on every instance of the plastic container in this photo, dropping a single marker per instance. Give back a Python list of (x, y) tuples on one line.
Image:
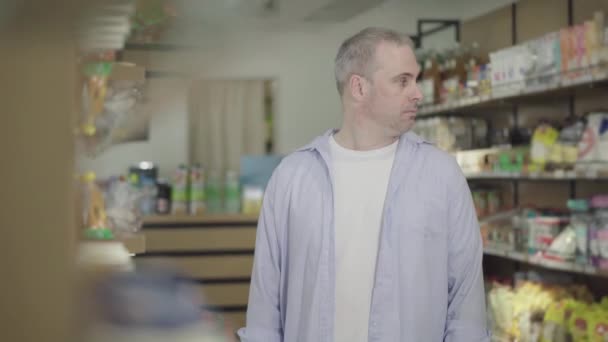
[(232, 193), (598, 236), (542, 233), (179, 193), (163, 198), (213, 192), (580, 221), (197, 190), (147, 204)]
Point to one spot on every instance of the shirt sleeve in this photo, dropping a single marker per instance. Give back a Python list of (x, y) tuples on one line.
[(466, 320), (263, 310)]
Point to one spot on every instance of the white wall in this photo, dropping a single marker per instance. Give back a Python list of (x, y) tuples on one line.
[(301, 60)]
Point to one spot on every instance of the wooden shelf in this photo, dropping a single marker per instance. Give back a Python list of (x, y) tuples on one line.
[(135, 244), (201, 219), (127, 72)]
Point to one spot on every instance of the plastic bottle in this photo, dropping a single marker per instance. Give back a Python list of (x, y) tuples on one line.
[(179, 194), (148, 199), (232, 193), (197, 190), (213, 192)]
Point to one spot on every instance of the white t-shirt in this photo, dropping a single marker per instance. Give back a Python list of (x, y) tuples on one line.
[(360, 184)]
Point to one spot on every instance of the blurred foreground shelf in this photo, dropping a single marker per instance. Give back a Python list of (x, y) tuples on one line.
[(135, 244)]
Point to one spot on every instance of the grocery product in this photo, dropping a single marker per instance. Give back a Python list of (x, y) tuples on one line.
[(123, 206), (598, 236), (563, 247), (593, 145), (196, 179), (454, 133), (564, 153), (232, 193), (542, 232), (533, 311), (179, 193), (163, 198), (543, 140), (580, 220), (213, 192), (252, 199), (94, 93), (94, 217)]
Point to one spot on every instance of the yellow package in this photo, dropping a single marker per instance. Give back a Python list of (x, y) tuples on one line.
[(554, 329), (598, 325), (604, 304), (578, 323), (543, 140)]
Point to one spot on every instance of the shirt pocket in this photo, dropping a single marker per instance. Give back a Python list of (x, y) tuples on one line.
[(422, 221)]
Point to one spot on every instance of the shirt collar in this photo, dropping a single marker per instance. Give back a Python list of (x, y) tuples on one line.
[(321, 143)]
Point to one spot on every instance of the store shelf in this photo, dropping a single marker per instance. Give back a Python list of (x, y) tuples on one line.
[(200, 219), (135, 244), (122, 71), (585, 78), (564, 176), (545, 263)]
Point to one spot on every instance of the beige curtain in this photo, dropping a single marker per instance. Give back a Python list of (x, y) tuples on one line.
[(226, 122)]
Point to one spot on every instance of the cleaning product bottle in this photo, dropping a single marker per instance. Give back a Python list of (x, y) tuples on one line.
[(232, 193), (179, 193), (197, 190), (213, 192)]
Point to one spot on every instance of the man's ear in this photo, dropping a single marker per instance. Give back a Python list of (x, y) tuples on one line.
[(358, 87)]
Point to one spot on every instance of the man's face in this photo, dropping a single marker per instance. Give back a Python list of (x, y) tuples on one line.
[(394, 94)]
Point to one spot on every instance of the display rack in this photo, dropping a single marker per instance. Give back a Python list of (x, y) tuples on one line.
[(584, 79), (543, 177), (103, 30), (545, 263)]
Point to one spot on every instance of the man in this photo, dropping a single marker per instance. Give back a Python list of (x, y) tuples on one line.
[(369, 232)]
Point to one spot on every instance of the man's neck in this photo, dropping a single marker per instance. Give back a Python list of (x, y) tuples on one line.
[(361, 135)]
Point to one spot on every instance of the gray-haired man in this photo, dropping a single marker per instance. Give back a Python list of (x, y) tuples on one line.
[(369, 233)]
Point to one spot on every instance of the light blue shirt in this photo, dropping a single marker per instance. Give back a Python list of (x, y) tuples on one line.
[(429, 281)]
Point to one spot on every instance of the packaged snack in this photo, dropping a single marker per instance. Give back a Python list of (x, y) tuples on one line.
[(94, 216), (579, 323), (94, 94), (554, 327), (123, 207), (598, 325), (543, 139)]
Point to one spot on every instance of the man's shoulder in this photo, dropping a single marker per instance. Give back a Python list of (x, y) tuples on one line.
[(295, 161), (438, 161), (435, 154)]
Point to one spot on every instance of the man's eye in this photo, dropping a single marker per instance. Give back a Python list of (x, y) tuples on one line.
[(404, 82)]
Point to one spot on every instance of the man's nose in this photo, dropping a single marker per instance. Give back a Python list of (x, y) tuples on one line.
[(417, 96)]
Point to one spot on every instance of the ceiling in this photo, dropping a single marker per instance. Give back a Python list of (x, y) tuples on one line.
[(236, 14), (239, 15)]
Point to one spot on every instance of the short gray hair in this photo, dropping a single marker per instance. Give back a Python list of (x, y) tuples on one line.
[(356, 54)]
